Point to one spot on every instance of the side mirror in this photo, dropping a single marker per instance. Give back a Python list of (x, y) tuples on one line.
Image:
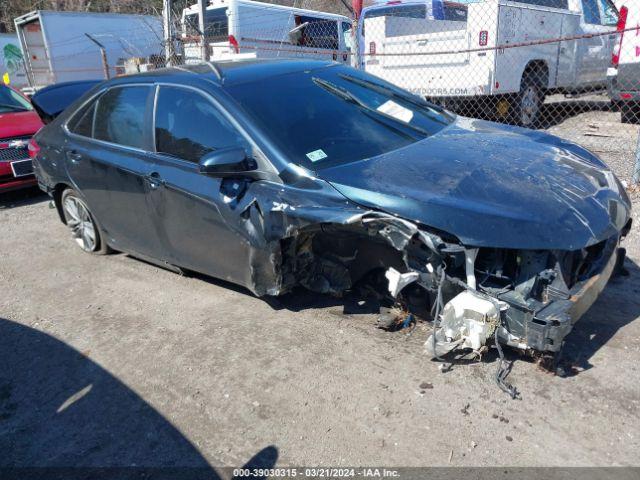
[(227, 162)]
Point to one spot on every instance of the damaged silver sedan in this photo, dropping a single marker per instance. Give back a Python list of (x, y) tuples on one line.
[(277, 174)]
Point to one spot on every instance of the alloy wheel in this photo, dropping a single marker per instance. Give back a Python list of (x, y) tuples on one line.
[(80, 223)]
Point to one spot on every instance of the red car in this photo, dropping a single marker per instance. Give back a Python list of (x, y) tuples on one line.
[(18, 123)]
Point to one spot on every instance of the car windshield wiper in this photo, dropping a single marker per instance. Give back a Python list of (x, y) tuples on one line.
[(407, 98), (350, 97), (15, 108)]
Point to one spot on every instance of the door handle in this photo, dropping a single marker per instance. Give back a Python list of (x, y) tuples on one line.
[(74, 156), (154, 180)]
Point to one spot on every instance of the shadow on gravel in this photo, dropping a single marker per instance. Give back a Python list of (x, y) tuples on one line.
[(20, 198), (555, 113), (617, 306), (64, 416), (551, 113)]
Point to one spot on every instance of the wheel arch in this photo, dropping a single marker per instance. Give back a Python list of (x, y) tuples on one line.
[(540, 68), (57, 192)]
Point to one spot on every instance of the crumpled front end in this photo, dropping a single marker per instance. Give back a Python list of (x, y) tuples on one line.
[(539, 294), (527, 299)]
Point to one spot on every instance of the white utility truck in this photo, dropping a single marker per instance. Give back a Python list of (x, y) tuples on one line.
[(496, 53), (624, 74), (56, 48), (247, 28)]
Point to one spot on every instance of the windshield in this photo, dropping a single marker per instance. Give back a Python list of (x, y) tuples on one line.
[(11, 101), (609, 13), (330, 116)]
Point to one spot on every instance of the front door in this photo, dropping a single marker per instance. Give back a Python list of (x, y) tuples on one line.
[(197, 215)]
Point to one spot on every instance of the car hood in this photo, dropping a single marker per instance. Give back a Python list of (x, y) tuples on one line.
[(19, 124), (492, 185)]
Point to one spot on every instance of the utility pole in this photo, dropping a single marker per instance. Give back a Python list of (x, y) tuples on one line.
[(204, 44), (103, 52), (356, 10), (169, 47)]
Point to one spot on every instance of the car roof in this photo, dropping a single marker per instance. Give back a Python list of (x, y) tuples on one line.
[(226, 73), (231, 72)]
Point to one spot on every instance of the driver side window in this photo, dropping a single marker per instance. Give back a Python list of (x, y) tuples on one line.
[(188, 125)]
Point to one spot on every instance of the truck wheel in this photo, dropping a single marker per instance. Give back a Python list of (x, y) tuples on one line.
[(630, 112), (528, 104)]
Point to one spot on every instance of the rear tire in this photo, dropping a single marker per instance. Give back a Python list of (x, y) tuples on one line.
[(630, 113), (85, 230), (528, 103)]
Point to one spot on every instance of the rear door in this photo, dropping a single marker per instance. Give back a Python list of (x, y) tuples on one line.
[(200, 227), (107, 159)]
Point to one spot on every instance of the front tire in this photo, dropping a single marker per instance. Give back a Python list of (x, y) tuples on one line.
[(84, 229)]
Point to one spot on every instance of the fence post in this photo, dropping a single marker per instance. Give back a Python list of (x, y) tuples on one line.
[(202, 7), (635, 179), (103, 53), (169, 52)]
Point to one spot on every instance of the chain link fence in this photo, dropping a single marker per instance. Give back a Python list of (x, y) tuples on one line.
[(570, 67)]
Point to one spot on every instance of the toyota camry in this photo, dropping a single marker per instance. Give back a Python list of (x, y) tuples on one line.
[(281, 173)]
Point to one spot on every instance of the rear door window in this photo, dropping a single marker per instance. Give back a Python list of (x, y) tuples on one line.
[(453, 12), (82, 123), (188, 125), (120, 116), (317, 33)]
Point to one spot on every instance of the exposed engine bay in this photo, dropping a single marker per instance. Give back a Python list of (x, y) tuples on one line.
[(527, 299)]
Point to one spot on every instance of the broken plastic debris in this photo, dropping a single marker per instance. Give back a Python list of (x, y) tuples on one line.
[(397, 280), (467, 321)]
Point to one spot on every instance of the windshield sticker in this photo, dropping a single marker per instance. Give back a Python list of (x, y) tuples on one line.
[(316, 155), (396, 110)]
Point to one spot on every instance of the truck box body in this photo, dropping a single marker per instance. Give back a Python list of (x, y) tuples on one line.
[(456, 55), (431, 70), (12, 60), (56, 49)]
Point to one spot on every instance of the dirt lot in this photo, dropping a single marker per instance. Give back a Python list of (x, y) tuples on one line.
[(111, 361)]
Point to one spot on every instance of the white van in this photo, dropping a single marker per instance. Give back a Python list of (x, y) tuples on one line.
[(256, 29), (513, 81), (624, 74)]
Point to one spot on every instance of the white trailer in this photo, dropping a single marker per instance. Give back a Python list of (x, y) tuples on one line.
[(247, 28), (12, 61), (56, 47), (457, 54)]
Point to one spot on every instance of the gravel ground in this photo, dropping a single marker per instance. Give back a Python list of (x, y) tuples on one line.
[(111, 361)]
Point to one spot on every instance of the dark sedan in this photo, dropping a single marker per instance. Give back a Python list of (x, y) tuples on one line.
[(272, 174)]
